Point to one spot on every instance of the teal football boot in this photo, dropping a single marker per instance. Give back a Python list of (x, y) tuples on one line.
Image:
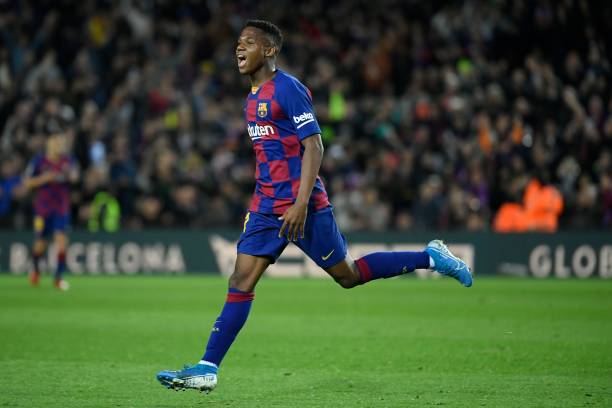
[(448, 264)]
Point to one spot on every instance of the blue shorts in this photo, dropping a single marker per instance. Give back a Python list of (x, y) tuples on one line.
[(44, 227), (322, 242)]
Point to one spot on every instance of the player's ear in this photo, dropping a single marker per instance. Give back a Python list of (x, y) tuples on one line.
[(270, 51)]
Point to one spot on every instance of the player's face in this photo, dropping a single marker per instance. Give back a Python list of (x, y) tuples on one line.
[(56, 144), (251, 50)]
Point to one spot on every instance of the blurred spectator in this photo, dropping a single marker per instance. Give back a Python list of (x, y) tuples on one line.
[(104, 213), (543, 205), (539, 210), (434, 114), (10, 187), (510, 217)]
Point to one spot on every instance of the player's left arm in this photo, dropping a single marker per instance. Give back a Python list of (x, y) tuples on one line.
[(294, 217), (296, 101), (74, 171), (69, 173)]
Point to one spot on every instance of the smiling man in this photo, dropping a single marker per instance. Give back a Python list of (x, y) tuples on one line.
[(290, 204)]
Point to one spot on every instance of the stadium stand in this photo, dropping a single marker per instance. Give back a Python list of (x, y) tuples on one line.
[(433, 116)]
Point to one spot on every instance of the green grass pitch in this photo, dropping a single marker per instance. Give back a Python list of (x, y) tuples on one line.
[(309, 343)]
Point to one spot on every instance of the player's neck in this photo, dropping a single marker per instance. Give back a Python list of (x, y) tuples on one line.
[(262, 75), (53, 157)]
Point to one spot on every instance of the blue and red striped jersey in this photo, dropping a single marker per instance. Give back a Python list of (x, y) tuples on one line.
[(279, 116), (54, 197)]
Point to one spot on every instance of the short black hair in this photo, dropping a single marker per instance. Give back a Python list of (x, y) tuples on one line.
[(275, 34)]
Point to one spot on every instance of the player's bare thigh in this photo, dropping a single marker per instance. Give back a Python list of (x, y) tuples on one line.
[(345, 273), (247, 271)]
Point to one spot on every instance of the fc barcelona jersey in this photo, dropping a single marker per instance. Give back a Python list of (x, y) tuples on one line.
[(54, 197), (279, 116)]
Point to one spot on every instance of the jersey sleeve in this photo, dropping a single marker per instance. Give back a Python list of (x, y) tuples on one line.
[(296, 102)]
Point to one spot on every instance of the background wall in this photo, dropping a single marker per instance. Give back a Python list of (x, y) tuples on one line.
[(563, 255)]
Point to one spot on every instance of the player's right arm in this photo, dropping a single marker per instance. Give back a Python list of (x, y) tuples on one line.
[(38, 181), (33, 178)]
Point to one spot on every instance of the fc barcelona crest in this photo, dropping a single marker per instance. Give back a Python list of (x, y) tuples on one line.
[(262, 109)]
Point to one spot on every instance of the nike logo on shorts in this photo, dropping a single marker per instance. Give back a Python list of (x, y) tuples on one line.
[(325, 258)]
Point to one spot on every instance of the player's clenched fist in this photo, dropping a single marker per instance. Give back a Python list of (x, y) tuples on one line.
[(293, 221)]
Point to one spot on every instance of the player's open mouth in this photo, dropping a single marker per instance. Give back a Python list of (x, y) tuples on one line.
[(242, 60)]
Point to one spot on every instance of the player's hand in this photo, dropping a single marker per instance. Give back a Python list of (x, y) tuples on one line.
[(294, 220), (48, 176), (54, 177), (60, 177)]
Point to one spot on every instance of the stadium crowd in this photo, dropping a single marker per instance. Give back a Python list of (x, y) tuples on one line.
[(433, 114)]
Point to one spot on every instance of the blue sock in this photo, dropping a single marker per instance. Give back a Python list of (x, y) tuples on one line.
[(388, 264), (61, 265), (228, 324)]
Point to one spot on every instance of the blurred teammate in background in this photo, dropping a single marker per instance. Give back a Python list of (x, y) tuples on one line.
[(290, 204), (50, 175)]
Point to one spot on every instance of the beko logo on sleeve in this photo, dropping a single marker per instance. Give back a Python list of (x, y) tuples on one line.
[(303, 119)]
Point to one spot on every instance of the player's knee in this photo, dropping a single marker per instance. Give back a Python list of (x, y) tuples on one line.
[(39, 247), (347, 282), (242, 280), (236, 279), (61, 242), (345, 275)]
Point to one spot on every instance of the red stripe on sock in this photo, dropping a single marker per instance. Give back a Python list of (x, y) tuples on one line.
[(364, 270), (240, 297)]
